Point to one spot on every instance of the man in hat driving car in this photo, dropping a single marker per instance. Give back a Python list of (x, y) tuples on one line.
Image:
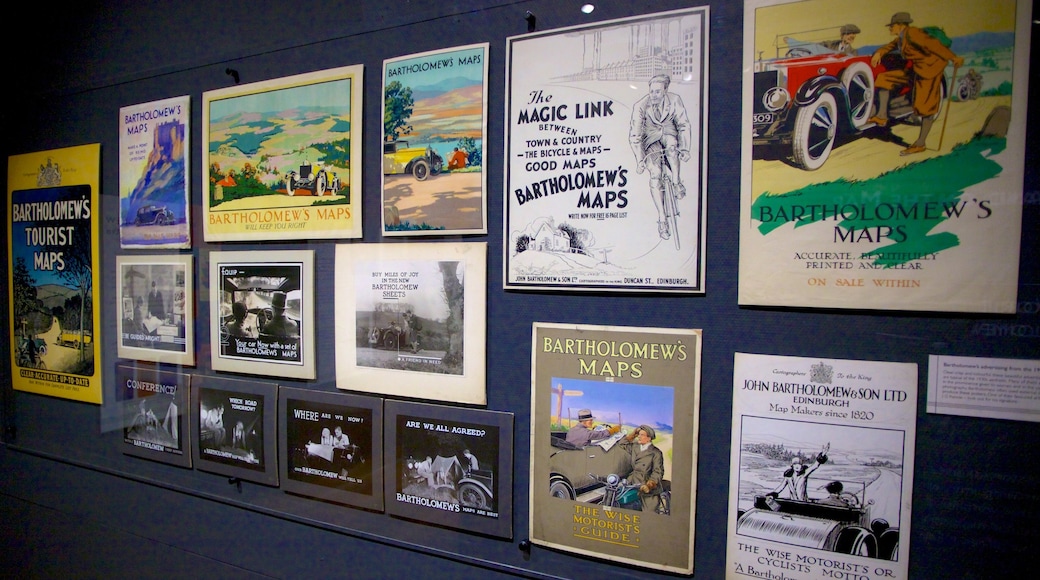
[(280, 326), (582, 434), (844, 43)]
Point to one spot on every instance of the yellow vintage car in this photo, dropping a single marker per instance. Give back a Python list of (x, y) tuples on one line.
[(399, 159)]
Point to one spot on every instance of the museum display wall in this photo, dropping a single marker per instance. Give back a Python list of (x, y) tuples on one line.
[(69, 477)]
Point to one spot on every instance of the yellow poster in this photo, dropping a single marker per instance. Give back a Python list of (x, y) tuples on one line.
[(53, 260)]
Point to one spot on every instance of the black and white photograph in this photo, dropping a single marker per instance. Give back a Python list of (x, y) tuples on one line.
[(234, 426), (154, 406), (412, 319), (156, 304), (333, 446), (263, 321), (450, 466)]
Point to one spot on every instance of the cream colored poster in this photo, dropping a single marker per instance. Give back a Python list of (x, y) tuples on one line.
[(821, 468), (883, 154)]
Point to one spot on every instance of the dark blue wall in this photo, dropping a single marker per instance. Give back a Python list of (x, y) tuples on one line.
[(71, 503)]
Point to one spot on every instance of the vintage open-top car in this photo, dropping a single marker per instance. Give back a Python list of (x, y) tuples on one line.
[(810, 98), (317, 180), (399, 158)]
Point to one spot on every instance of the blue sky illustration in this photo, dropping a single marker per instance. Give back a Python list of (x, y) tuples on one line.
[(638, 404), (323, 94)]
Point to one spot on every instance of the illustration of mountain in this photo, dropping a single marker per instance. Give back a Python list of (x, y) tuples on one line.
[(449, 115), (162, 181), (441, 87), (283, 137)]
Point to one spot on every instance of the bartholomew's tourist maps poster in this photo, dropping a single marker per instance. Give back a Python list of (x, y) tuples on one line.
[(283, 158), (54, 275), (883, 147), (154, 166), (434, 142), (614, 442), (821, 468), (605, 173)]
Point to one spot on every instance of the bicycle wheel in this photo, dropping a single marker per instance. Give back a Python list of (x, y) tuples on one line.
[(671, 210)]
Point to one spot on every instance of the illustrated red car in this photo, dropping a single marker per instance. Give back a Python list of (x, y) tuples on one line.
[(812, 98)]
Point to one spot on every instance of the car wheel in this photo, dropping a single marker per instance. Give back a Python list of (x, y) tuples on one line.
[(390, 341), (470, 495), (421, 169), (858, 81), (888, 545), (558, 487), (857, 541), (320, 183), (290, 184), (814, 130)]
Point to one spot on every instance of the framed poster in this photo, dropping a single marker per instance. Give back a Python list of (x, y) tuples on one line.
[(411, 320), (55, 276), (156, 308), (233, 423), (821, 468), (284, 158), (154, 408), (605, 172), (615, 416), (333, 446), (883, 149), (434, 142), (154, 167), (450, 466), (263, 315)]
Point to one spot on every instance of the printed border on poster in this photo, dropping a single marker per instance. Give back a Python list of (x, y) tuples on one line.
[(821, 467), (871, 185), (411, 320), (154, 414), (606, 155), (54, 258), (260, 280), (631, 381), (433, 449), (155, 175), (167, 336), (219, 406), (435, 142), (317, 465), (292, 169)]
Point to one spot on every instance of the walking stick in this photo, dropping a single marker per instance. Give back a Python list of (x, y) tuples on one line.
[(949, 101)]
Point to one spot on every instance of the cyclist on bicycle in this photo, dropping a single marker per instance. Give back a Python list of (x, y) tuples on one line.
[(660, 136), (32, 351)]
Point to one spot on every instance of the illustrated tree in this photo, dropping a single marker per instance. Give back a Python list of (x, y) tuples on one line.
[(523, 243), (454, 298), (469, 145), (397, 109), (24, 289), (77, 275)]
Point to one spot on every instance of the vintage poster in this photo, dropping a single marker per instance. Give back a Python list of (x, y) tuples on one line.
[(283, 158), (614, 423), (411, 320), (821, 468), (233, 423), (154, 407), (605, 173), (263, 312), (154, 181), (434, 142), (450, 466), (333, 446), (54, 269), (157, 308), (883, 150)]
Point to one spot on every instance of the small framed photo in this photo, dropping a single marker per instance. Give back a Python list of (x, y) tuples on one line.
[(450, 466), (263, 318), (411, 319), (332, 447), (154, 407), (156, 308), (233, 423)]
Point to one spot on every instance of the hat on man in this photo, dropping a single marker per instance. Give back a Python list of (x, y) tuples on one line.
[(849, 29), (278, 300), (900, 18), (585, 415), (649, 431)]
